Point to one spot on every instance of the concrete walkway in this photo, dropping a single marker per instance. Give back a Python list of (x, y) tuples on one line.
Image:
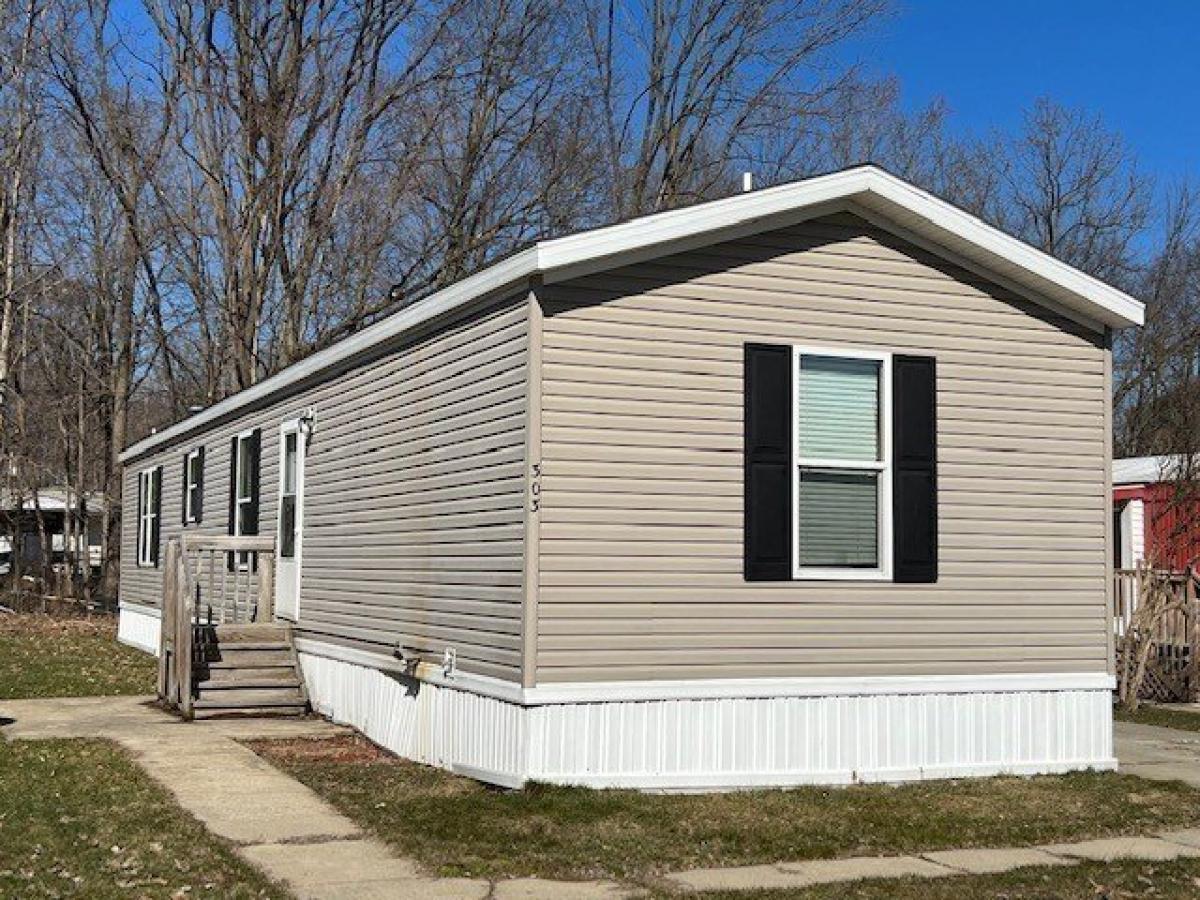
[(1162, 754), (295, 837), (274, 822), (939, 863)]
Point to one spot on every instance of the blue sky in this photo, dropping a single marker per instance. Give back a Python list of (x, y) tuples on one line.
[(1136, 64)]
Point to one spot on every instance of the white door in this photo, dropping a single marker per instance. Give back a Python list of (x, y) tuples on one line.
[(291, 516)]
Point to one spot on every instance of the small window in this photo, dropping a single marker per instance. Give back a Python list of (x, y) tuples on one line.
[(193, 483), (841, 467), (287, 498), (243, 493), (149, 515), (244, 497)]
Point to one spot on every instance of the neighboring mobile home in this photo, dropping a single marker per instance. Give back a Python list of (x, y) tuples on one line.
[(1156, 513), (809, 484), (51, 527)]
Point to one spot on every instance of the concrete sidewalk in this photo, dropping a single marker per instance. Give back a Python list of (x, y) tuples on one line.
[(274, 822), (295, 837), (938, 863), (1161, 754)]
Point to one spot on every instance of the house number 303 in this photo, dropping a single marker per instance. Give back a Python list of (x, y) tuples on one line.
[(535, 487)]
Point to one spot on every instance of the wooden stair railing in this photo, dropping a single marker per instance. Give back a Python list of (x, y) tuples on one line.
[(176, 645), (201, 590)]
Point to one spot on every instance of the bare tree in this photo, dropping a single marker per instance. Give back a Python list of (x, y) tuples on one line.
[(511, 151), (280, 110), (863, 121), (1157, 399), (689, 88), (109, 160), (1074, 190), (19, 35)]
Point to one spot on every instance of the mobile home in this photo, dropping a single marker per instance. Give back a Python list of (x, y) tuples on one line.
[(1156, 513), (805, 485)]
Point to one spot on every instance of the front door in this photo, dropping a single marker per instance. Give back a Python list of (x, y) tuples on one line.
[(291, 517)]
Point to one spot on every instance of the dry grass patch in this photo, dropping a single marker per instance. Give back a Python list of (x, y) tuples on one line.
[(455, 826), (79, 819), (49, 656)]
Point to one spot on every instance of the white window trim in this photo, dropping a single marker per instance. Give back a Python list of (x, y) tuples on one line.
[(145, 556), (883, 466), (189, 514), (291, 426), (243, 557)]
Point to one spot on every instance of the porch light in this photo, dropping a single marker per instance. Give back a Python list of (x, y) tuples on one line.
[(307, 422)]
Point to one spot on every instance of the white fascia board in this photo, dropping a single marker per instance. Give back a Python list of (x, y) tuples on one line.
[(503, 274), (714, 217), (922, 212), (940, 220), (1087, 294)]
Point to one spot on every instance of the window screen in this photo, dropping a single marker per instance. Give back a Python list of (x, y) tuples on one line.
[(839, 458)]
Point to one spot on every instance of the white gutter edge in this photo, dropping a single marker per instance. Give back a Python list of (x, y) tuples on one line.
[(504, 274)]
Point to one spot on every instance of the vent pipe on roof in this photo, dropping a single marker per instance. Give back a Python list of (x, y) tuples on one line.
[(747, 182)]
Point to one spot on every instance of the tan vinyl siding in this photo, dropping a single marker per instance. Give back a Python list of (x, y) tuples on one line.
[(640, 564), (414, 488)]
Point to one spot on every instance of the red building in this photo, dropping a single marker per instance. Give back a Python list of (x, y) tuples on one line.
[(1156, 514)]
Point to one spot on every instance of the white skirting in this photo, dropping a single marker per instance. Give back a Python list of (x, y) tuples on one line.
[(441, 726), (139, 626), (725, 743)]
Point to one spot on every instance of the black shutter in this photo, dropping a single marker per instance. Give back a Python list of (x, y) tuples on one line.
[(199, 510), (138, 520), (183, 494), (914, 469), (767, 451), (156, 531), (233, 479)]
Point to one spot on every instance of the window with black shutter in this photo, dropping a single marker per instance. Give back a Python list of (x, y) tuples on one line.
[(840, 465)]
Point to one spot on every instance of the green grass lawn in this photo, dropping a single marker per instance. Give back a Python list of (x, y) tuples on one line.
[(1088, 881), (1164, 717), (455, 826), (79, 819), (44, 656)]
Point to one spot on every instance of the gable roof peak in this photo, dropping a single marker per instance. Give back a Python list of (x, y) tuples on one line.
[(865, 189)]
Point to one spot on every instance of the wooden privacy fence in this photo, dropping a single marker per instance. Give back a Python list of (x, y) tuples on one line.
[(208, 581), (1156, 622)]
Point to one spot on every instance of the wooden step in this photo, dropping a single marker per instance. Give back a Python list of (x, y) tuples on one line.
[(247, 670), (251, 712), (223, 672), (251, 698), (237, 634), (245, 646), (252, 659), (236, 679)]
